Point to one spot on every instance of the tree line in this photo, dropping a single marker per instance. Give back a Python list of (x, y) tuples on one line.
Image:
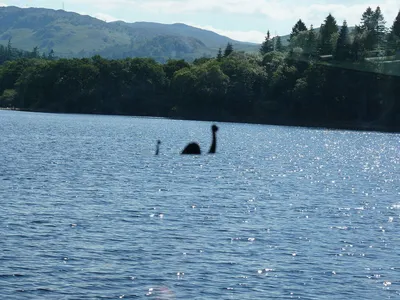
[(293, 86), (368, 39), (8, 53)]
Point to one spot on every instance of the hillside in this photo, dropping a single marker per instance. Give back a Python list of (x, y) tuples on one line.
[(73, 35)]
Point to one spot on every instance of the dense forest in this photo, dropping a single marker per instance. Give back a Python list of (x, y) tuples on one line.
[(335, 78), (8, 53)]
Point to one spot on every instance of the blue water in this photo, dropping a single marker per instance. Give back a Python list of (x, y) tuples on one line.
[(89, 212)]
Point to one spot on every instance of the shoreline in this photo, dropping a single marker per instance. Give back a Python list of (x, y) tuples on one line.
[(315, 125)]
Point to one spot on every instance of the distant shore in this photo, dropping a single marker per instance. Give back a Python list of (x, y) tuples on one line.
[(9, 108), (359, 126)]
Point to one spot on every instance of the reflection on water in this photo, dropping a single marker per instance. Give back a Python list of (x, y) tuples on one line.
[(88, 211)]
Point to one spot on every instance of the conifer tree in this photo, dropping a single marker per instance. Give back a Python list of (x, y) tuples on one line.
[(327, 30), (297, 28), (394, 36), (278, 44), (367, 20), (373, 29), (379, 27), (357, 48), (9, 48), (35, 52), (228, 49), (363, 39), (311, 43), (342, 51), (219, 55), (51, 54), (267, 45), (395, 29)]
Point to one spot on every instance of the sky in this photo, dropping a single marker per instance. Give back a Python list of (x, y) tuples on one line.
[(243, 20)]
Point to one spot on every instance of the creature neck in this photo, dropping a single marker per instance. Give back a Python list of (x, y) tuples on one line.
[(213, 146)]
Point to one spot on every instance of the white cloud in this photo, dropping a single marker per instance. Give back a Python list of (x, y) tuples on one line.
[(107, 4), (101, 16), (244, 36), (313, 12), (105, 17), (3, 4)]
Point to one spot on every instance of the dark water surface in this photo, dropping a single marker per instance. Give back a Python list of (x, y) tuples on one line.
[(88, 212)]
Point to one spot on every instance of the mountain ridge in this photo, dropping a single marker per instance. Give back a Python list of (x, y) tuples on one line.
[(71, 34)]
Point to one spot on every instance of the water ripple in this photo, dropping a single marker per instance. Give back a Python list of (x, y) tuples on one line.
[(88, 211)]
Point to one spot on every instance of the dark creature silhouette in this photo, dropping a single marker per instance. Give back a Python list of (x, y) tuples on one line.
[(194, 148)]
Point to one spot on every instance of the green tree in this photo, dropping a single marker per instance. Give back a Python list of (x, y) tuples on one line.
[(297, 28), (247, 78), (211, 81), (10, 72), (271, 62), (35, 52), (342, 51), (304, 44), (327, 31), (267, 45), (357, 48), (311, 43), (174, 65), (200, 88), (8, 98), (183, 83), (372, 29), (278, 44), (394, 36), (379, 28), (9, 48), (395, 29), (219, 55), (367, 20), (51, 54), (228, 49), (201, 60)]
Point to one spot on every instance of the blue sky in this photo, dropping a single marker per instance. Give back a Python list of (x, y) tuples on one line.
[(245, 20)]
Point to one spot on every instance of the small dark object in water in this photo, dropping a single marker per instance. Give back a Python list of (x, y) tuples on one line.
[(158, 147)]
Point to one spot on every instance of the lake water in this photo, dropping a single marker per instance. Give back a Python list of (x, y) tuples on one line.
[(89, 212)]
